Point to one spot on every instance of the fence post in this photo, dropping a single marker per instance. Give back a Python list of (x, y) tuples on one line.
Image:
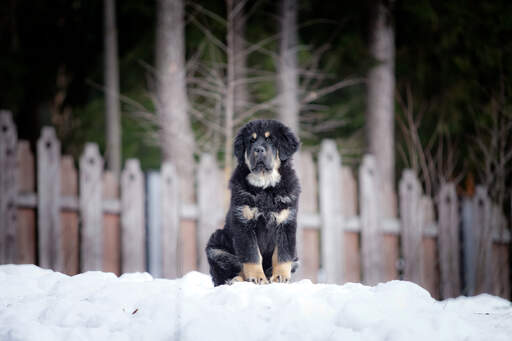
[(133, 236), (348, 192), (111, 225), (448, 235), (411, 219), (210, 199), (307, 240), (371, 237), (469, 245), (170, 220), (91, 214), (70, 247), (26, 242), (430, 254), (48, 194), (498, 272), (154, 222), (483, 239), (8, 190), (330, 211)]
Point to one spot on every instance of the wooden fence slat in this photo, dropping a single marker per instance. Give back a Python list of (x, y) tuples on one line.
[(483, 239), (498, 272), (170, 220), (430, 261), (307, 237), (449, 241), (26, 242), (69, 219), (332, 237), (133, 236), (210, 205), (154, 222), (188, 245), (48, 194), (91, 169), (469, 245), (111, 226), (411, 217), (352, 257), (8, 190), (371, 236)]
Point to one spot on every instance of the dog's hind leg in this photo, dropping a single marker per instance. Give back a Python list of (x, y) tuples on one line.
[(225, 267)]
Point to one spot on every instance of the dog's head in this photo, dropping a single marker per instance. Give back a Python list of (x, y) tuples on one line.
[(263, 144)]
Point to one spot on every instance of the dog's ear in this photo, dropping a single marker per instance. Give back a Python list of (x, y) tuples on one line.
[(288, 143), (239, 146)]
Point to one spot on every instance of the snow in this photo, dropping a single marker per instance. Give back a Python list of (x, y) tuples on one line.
[(39, 304)]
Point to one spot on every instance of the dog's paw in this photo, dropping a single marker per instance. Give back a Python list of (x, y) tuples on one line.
[(258, 280), (235, 280), (254, 273), (281, 273)]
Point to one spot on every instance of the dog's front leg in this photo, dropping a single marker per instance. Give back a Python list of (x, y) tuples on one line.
[(284, 251), (246, 245)]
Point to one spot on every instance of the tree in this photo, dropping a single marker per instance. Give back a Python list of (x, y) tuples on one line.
[(288, 70), (380, 100), (240, 59), (111, 74), (177, 140)]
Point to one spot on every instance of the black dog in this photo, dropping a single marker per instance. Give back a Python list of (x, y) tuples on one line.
[(257, 242)]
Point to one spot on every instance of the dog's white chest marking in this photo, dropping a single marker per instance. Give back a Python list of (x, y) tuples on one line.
[(264, 179)]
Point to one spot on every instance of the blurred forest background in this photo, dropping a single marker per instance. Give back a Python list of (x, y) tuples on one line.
[(450, 96)]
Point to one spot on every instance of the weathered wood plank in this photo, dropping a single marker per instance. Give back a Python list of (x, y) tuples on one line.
[(352, 257), (48, 194), (371, 236), (430, 279), (111, 226), (482, 228), (133, 236), (26, 242), (170, 221), (154, 222), (188, 245), (69, 219), (8, 190), (469, 244), (411, 216), (498, 271), (91, 169), (329, 164), (210, 204), (307, 238), (501, 279), (310, 260), (391, 254), (449, 249)]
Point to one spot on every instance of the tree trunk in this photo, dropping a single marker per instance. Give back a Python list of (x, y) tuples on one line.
[(229, 105), (177, 140), (113, 120), (288, 73), (240, 58), (380, 105)]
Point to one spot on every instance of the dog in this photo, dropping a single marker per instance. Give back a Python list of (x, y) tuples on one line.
[(257, 243)]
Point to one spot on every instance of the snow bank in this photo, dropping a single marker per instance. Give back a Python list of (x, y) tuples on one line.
[(38, 304)]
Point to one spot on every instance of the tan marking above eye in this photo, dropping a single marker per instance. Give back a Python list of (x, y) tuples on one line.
[(254, 135), (267, 133)]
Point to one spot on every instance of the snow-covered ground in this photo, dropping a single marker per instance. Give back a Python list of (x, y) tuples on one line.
[(37, 304)]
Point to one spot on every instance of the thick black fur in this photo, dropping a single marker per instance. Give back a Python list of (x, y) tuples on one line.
[(242, 240)]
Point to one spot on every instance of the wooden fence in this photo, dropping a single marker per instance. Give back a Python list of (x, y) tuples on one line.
[(89, 220)]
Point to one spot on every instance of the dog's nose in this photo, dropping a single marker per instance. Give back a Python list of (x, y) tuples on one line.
[(259, 150)]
